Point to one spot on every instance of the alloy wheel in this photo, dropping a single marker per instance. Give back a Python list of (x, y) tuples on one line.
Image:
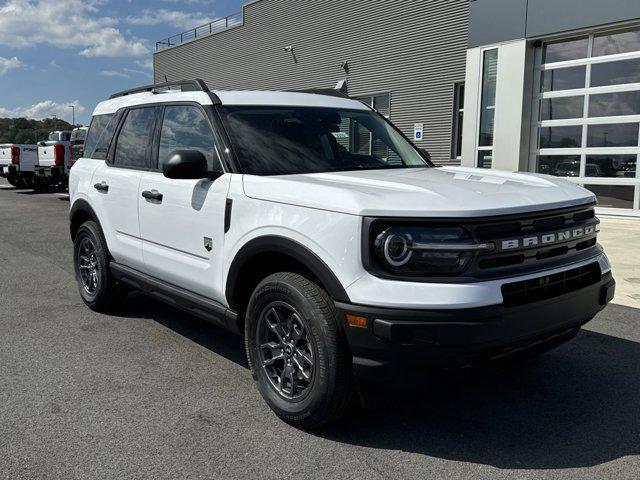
[(88, 266), (286, 352)]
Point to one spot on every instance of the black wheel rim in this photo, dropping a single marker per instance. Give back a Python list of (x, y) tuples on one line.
[(285, 350), (88, 266)]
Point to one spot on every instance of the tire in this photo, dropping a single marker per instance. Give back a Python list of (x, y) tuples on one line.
[(41, 185), (13, 181), (91, 258), (315, 393), (20, 183), (29, 181)]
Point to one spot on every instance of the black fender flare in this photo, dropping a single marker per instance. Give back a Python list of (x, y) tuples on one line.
[(81, 206), (293, 249)]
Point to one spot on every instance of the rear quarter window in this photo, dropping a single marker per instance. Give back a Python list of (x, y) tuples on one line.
[(99, 136)]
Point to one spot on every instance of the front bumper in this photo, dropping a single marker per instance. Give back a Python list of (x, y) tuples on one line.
[(400, 343)]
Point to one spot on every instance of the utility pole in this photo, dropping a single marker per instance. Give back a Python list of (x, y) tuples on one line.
[(73, 110)]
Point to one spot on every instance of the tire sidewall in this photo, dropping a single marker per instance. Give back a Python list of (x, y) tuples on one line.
[(90, 230), (324, 373)]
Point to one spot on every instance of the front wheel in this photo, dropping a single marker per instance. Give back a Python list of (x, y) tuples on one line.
[(298, 356)]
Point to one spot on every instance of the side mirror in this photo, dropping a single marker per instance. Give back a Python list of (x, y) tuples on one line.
[(188, 165)]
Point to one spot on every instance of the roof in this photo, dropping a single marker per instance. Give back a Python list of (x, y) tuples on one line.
[(237, 97)]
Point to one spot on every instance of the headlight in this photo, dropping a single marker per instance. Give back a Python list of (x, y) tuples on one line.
[(424, 251)]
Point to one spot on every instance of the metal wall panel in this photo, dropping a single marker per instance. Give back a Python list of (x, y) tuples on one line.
[(414, 49), (493, 21), (546, 17)]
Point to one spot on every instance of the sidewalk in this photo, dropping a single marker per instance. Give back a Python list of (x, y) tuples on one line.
[(620, 238)]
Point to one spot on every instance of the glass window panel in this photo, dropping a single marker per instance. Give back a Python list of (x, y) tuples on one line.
[(99, 136), (615, 135), (135, 137), (613, 196), (458, 118), (618, 166), (620, 42), (487, 108), (565, 50), (564, 79), (485, 158), (562, 108), (559, 165), (614, 104), (382, 103), (561, 137), (186, 128), (615, 73)]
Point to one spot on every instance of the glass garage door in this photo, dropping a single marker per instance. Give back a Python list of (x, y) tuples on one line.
[(587, 115)]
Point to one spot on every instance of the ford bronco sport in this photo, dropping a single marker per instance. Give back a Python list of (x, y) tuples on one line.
[(310, 224)]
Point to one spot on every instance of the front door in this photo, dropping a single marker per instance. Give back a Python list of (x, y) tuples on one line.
[(182, 221)]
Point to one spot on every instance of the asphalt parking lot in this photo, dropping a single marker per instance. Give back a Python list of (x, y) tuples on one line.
[(154, 393)]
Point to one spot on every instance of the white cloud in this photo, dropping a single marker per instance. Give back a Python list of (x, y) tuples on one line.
[(7, 64), (66, 24), (124, 73), (44, 109), (113, 73), (146, 64), (191, 2), (157, 16)]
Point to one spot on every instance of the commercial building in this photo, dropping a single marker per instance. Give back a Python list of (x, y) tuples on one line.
[(549, 86)]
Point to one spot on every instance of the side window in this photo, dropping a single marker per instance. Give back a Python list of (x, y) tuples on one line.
[(185, 127), (132, 147), (99, 136)]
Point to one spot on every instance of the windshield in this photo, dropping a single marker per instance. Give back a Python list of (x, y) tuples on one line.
[(289, 140)]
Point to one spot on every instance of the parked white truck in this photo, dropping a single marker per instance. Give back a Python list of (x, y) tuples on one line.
[(54, 160), (17, 164)]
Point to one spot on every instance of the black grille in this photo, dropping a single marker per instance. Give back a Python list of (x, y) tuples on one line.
[(550, 286), (492, 264)]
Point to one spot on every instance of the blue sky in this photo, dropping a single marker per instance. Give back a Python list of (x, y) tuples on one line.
[(55, 53)]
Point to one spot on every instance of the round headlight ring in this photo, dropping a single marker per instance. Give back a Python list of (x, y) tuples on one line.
[(390, 249)]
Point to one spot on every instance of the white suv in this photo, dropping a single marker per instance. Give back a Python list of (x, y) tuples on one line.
[(310, 224)]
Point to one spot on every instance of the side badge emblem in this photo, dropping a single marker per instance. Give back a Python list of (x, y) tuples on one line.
[(208, 244)]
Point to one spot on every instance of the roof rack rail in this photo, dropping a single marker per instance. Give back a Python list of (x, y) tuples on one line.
[(196, 85), (330, 92)]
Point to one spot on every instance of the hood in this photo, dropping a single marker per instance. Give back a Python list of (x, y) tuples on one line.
[(424, 192)]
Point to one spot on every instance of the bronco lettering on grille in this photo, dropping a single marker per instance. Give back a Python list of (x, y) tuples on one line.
[(548, 238)]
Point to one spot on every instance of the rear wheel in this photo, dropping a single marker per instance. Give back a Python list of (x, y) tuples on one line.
[(41, 185), (297, 354), (96, 284), (17, 181)]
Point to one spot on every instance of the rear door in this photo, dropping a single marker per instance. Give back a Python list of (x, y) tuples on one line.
[(116, 183), (183, 231)]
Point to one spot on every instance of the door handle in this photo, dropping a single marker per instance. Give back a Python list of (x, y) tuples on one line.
[(152, 195), (101, 187)]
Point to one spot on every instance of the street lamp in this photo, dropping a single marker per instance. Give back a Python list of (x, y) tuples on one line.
[(73, 110)]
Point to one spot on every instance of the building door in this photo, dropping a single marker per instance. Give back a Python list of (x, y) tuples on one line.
[(586, 123)]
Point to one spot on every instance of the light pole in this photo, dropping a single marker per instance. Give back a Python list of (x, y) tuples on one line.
[(73, 110)]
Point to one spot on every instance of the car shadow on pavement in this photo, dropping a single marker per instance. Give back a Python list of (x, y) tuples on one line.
[(218, 340), (576, 406)]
